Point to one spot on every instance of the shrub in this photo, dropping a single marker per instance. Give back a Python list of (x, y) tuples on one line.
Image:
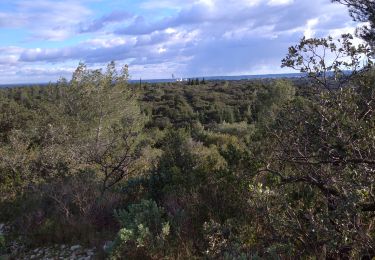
[(143, 225), (2, 244)]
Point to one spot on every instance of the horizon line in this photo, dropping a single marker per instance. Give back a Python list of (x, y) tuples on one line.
[(247, 76)]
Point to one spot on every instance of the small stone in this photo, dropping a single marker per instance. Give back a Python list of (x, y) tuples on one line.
[(74, 248)]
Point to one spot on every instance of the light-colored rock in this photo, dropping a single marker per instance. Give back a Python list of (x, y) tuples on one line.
[(74, 248), (54, 252), (2, 227)]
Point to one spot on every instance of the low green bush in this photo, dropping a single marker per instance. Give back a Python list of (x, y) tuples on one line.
[(143, 225)]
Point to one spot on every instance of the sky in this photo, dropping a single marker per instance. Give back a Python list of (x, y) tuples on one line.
[(43, 40)]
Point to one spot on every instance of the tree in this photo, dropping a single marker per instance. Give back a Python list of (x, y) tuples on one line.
[(94, 126), (107, 120), (329, 62), (362, 11), (321, 163), (318, 172)]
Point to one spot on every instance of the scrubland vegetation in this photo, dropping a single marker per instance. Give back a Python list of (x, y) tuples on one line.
[(273, 169)]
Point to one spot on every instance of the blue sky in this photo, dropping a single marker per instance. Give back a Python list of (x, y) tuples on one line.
[(42, 40)]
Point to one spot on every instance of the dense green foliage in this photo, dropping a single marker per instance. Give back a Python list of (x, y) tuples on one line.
[(142, 226), (274, 169), (240, 169)]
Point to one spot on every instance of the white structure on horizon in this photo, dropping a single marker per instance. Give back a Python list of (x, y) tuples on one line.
[(181, 80)]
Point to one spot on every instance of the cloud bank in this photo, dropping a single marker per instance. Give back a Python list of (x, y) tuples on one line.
[(46, 39)]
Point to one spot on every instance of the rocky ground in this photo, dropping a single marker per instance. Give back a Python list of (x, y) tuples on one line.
[(53, 252), (15, 250)]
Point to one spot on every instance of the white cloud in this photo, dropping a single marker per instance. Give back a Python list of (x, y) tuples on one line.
[(164, 4), (108, 41), (45, 19), (161, 50), (280, 2), (252, 2), (9, 55), (187, 38), (311, 24), (208, 3)]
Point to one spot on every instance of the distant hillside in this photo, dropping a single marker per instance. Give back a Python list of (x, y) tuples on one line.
[(240, 77)]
